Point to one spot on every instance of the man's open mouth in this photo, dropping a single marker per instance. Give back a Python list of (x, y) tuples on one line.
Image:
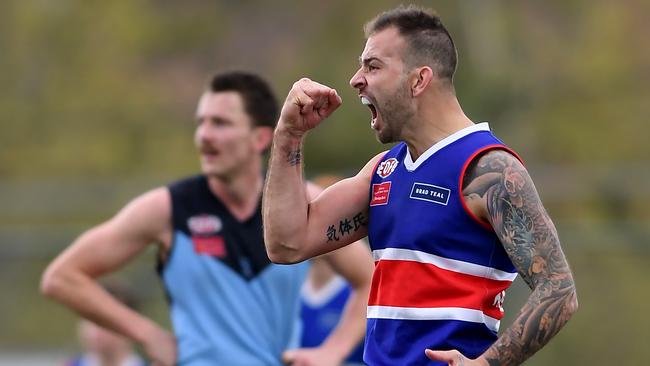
[(373, 110)]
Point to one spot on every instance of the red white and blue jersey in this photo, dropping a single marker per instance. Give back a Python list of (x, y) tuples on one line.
[(440, 272)]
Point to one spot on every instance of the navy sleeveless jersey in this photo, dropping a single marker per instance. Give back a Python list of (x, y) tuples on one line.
[(440, 273), (229, 304)]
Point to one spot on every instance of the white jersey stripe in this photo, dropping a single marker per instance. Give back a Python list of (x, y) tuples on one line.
[(463, 314), (444, 263)]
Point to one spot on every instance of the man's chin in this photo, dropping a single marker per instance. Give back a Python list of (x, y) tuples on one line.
[(211, 171), (384, 139)]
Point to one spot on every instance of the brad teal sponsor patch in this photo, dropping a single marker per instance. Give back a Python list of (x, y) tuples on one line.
[(431, 193)]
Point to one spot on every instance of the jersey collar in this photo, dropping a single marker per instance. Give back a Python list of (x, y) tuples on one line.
[(411, 165)]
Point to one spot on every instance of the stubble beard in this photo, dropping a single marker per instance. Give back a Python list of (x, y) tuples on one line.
[(395, 114)]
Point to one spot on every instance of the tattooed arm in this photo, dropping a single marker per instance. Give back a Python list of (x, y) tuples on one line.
[(295, 226), (500, 191)]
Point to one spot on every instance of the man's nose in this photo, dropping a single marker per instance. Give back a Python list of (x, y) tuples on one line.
[(204, 132), (357, 81)]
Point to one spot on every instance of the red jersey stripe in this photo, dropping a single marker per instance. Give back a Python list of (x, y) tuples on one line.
[(400, 283)]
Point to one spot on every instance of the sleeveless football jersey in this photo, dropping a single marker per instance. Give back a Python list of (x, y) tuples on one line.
[(229, 304), (440, 273), (321, 310)]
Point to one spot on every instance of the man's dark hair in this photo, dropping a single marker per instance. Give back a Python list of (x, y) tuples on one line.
[(428, 41), (259, 101)]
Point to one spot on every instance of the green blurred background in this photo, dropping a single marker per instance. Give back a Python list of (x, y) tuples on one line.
[(97, 102)]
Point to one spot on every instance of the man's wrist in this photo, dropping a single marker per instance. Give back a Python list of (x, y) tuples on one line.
[(146, 331), (290, 134), (337, 347), (335, 354)]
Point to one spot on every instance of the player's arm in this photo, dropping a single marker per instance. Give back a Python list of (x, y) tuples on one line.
[(501, 191), (294, 227), (353, 262), (70, 278)]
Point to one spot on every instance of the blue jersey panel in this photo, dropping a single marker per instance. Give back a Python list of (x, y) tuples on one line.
[(424, 209), (391, 342), (220, 318)]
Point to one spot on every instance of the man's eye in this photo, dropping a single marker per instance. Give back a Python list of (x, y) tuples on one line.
[(219, 123)]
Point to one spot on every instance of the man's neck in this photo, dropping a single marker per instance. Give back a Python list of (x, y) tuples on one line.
[(240, 194), (439, 117)]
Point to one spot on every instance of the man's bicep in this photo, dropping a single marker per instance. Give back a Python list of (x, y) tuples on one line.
[(521, 222), (114, 242), (339, 215)]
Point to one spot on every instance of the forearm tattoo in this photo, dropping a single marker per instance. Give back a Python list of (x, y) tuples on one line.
[(294, 157), (531, 241), (346, 226)]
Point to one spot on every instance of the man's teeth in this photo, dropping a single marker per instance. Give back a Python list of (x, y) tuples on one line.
[(365, 101)]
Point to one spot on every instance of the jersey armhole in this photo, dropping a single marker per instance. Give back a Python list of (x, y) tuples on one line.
[(484, 224), (374, 168), (372, 174), (163, 255)]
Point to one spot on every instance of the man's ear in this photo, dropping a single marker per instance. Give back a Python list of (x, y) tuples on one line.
[(421, 80), (263, 136)]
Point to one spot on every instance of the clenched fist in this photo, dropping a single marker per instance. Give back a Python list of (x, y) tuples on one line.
[(306, 106)]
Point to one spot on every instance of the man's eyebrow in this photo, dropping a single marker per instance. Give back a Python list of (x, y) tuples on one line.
[(211, 118), (365, 61)]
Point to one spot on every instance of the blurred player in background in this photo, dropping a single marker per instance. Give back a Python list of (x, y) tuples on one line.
[(103, 347), (451, 213), (229, 305), (323, 297)]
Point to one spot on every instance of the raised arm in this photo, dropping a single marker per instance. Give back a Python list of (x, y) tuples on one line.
[(296, 228), (70, 278), (501, 191)]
